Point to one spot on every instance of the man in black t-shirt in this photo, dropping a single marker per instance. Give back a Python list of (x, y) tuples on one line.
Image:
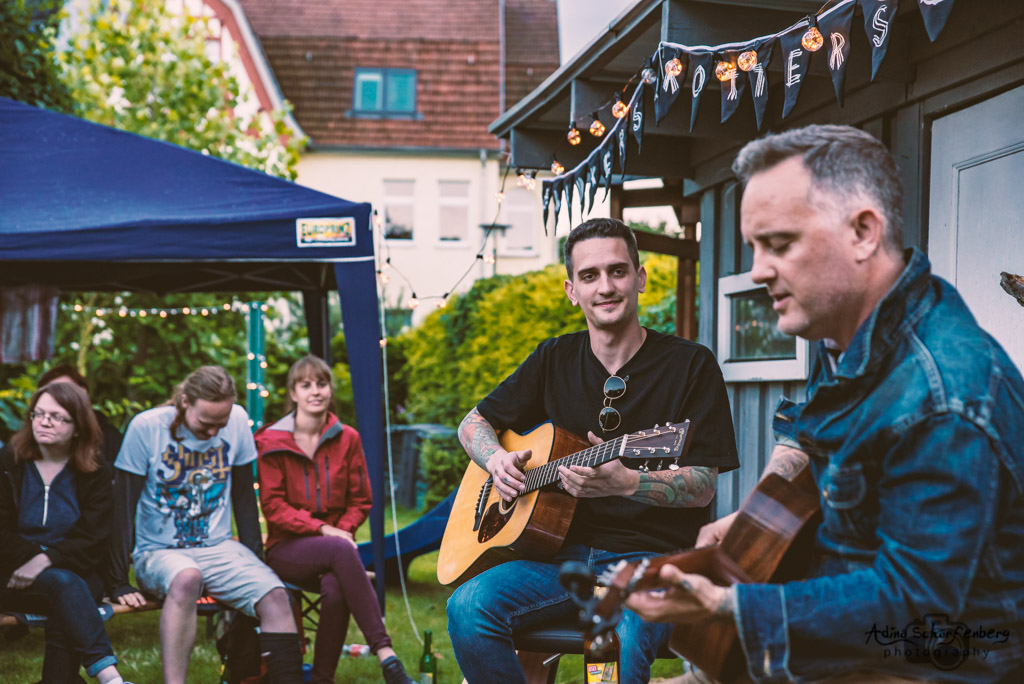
[(614, 378)]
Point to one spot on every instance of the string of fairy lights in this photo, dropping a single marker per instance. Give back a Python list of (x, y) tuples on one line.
[(206, 310), (386, 270), (725, 70)]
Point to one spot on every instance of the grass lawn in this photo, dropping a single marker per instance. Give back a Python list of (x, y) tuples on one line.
[(137, 644)]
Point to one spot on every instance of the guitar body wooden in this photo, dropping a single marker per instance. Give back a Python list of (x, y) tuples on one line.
[(532, 526), (768, 542)]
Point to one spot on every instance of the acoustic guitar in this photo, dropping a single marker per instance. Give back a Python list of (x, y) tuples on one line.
[(769, 541), (484, 530)]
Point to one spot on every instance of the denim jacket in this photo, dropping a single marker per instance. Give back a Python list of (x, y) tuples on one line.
[(916, 442)]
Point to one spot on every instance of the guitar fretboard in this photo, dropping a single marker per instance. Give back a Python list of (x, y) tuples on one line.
[(591, 458)]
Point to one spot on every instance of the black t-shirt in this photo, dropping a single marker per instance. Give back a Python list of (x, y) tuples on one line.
[(669, 380)]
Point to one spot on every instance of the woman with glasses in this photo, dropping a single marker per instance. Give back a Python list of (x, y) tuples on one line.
[(315, 493), (56, 506)]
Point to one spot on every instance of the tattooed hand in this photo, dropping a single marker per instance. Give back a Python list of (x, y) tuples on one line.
[(481, 443), (506, 469)]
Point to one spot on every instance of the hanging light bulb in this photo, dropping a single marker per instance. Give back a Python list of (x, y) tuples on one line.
[(442, 302), (573, 135), (648, 76), (557, 168), (725, 70), (673, 67), (142, 314), (747, 60), (163, 314), (78, 307), (596, 127), (500, 196), (520, 179), (812, 40), (383, 343), (413, 302), (620, 109), (531, 181), (383, 277)]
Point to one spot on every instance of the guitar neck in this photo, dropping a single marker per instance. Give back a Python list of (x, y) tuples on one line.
[(591, 457)]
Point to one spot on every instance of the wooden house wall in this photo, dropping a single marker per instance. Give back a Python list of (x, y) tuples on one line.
[(972, 61)]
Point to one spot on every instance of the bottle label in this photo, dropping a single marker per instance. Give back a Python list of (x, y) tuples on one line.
[(598, 673), (426, 678)]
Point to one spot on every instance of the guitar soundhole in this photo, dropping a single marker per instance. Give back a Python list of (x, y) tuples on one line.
[(495, 518)]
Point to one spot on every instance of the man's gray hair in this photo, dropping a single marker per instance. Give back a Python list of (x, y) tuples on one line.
[(843, 161)]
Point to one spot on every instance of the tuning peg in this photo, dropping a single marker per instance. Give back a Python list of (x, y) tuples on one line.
[(644, 468)]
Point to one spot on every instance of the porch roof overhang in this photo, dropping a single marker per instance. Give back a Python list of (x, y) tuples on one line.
[(536, 125)]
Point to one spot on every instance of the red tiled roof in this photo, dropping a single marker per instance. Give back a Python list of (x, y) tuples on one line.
[(314, 47)]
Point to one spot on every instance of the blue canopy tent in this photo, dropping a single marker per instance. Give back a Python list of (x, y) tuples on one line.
[(90, 208)]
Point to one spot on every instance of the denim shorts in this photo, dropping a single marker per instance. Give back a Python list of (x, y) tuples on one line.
[(232, 574)]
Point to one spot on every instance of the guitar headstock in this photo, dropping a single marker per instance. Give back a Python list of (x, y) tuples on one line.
[(660, 447)]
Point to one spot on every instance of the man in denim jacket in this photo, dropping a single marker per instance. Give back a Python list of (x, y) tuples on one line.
[(914, 426)]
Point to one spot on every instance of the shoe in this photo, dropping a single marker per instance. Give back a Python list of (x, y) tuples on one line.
[(394, 672)]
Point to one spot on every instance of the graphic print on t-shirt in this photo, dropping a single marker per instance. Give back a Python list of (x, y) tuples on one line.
[(190, 487)]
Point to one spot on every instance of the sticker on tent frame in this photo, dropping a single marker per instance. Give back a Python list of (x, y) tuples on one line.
[(325, 232)]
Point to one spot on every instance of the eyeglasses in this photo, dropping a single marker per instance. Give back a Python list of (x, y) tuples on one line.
[(54, 418), (614, 388)]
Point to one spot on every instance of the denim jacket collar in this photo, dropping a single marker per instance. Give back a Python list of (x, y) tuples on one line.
[(907, 300)]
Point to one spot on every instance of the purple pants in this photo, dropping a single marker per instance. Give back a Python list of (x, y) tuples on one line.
[(344, 589)]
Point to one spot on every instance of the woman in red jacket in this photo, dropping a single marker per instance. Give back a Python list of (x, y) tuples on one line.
[(315, 493)]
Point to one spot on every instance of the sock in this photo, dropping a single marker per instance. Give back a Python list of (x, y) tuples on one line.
[(282, 653)]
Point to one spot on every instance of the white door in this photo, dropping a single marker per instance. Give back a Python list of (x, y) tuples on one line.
[(976, 213)]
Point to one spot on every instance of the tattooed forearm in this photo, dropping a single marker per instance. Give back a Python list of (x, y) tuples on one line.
[(478, 438), (688, 487), (786, 461)]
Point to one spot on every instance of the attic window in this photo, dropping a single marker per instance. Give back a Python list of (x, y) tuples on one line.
[(385, 92)]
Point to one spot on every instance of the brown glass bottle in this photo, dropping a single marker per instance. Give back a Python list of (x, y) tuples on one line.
[(601, 659)]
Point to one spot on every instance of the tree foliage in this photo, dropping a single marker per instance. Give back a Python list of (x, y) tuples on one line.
[(29, 71), (138, 67)]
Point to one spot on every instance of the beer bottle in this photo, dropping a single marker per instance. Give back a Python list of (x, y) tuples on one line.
[(428, 665), (601, 659)]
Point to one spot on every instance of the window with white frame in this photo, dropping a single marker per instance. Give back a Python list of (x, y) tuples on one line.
[(453, 208), (751, 347), (398, 209), (520, 211)]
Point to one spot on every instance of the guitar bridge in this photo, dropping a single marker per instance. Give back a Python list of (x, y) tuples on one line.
[(481, 503)]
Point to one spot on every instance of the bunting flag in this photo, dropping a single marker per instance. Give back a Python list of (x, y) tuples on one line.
[(935, 13), (795, 60), (580, 179), (877, 16), (702, 71), (620, 141), (669, 85), (607, 160), (733, 88), (568, 198), (759, 80), (591, 181), (556, 198), (637, 118), (545, 199), (835, 29)]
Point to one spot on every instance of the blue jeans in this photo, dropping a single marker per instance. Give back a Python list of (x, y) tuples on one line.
[(483, 613), (75, 635)]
